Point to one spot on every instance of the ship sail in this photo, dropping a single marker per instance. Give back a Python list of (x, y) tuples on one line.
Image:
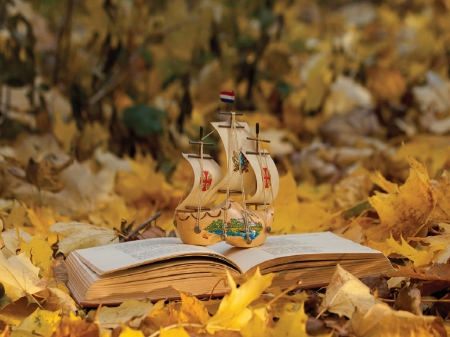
[(207, 174), (235, 148), (267, 180)]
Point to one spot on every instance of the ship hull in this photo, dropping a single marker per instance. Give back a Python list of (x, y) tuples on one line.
[(211, 225)]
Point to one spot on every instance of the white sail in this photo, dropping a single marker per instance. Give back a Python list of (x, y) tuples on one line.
[(267, 179), (207, 174), (233, 182)]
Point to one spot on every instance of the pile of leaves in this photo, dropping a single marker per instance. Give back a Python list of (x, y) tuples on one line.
[(99, 98)]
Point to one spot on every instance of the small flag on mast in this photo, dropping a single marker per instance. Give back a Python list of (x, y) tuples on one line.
[(227, 96)]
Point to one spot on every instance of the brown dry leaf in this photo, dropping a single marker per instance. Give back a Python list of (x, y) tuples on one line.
[(386, 84), (16, 312), (406, 212), (437, 272), (153, 232), (346, 293), (84, 191), (408, 299), (43, 174), (381, 320)]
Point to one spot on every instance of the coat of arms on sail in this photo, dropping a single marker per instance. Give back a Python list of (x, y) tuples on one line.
[(240, 162), (206, 181)]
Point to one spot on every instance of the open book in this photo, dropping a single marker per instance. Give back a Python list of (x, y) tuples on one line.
[(156, 268)]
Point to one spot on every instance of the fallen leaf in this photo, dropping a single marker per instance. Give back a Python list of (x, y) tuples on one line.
[(386, 84), (233, 313), (77, 235), (38, 250), (381, 320), (41, 322), (59, 298), (408, 299), (437, 272), (131, 312), (43, 174), (19, 276), (442, 211), (423, 257), (406, 212), (297, 217), (345, 293), (72, 325), (16, 312), (192, 310)]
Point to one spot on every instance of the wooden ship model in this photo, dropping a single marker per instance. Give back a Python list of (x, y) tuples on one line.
[(250, 184)]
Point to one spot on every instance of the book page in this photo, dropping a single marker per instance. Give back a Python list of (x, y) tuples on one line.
[(119, 256), (279, 246)]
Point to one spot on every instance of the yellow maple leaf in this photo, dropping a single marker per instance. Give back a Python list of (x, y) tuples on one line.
[(292, 216), (420, 258), (143, 182), (291, 322), (64, 132), (19, 276), (404, 212), (39, 251), (345, 293), (41, 220), (378, 179), (192, 309), (40, 322), (233, 312), (429, 149), (73, 325)]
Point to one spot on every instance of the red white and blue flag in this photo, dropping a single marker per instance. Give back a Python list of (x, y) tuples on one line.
[(227, 96)]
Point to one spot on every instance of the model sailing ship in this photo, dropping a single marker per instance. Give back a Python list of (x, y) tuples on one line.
[(250, 185)]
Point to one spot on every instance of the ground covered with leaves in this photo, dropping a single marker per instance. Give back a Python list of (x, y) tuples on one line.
[(99, 98)]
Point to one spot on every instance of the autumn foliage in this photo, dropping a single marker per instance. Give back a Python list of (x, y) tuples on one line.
[(99, 98)]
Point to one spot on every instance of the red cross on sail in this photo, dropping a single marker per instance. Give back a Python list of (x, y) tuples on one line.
[(266, 177), (207, 181)]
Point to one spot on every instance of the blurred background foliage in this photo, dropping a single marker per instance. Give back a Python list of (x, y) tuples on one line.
[(332, 83)]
